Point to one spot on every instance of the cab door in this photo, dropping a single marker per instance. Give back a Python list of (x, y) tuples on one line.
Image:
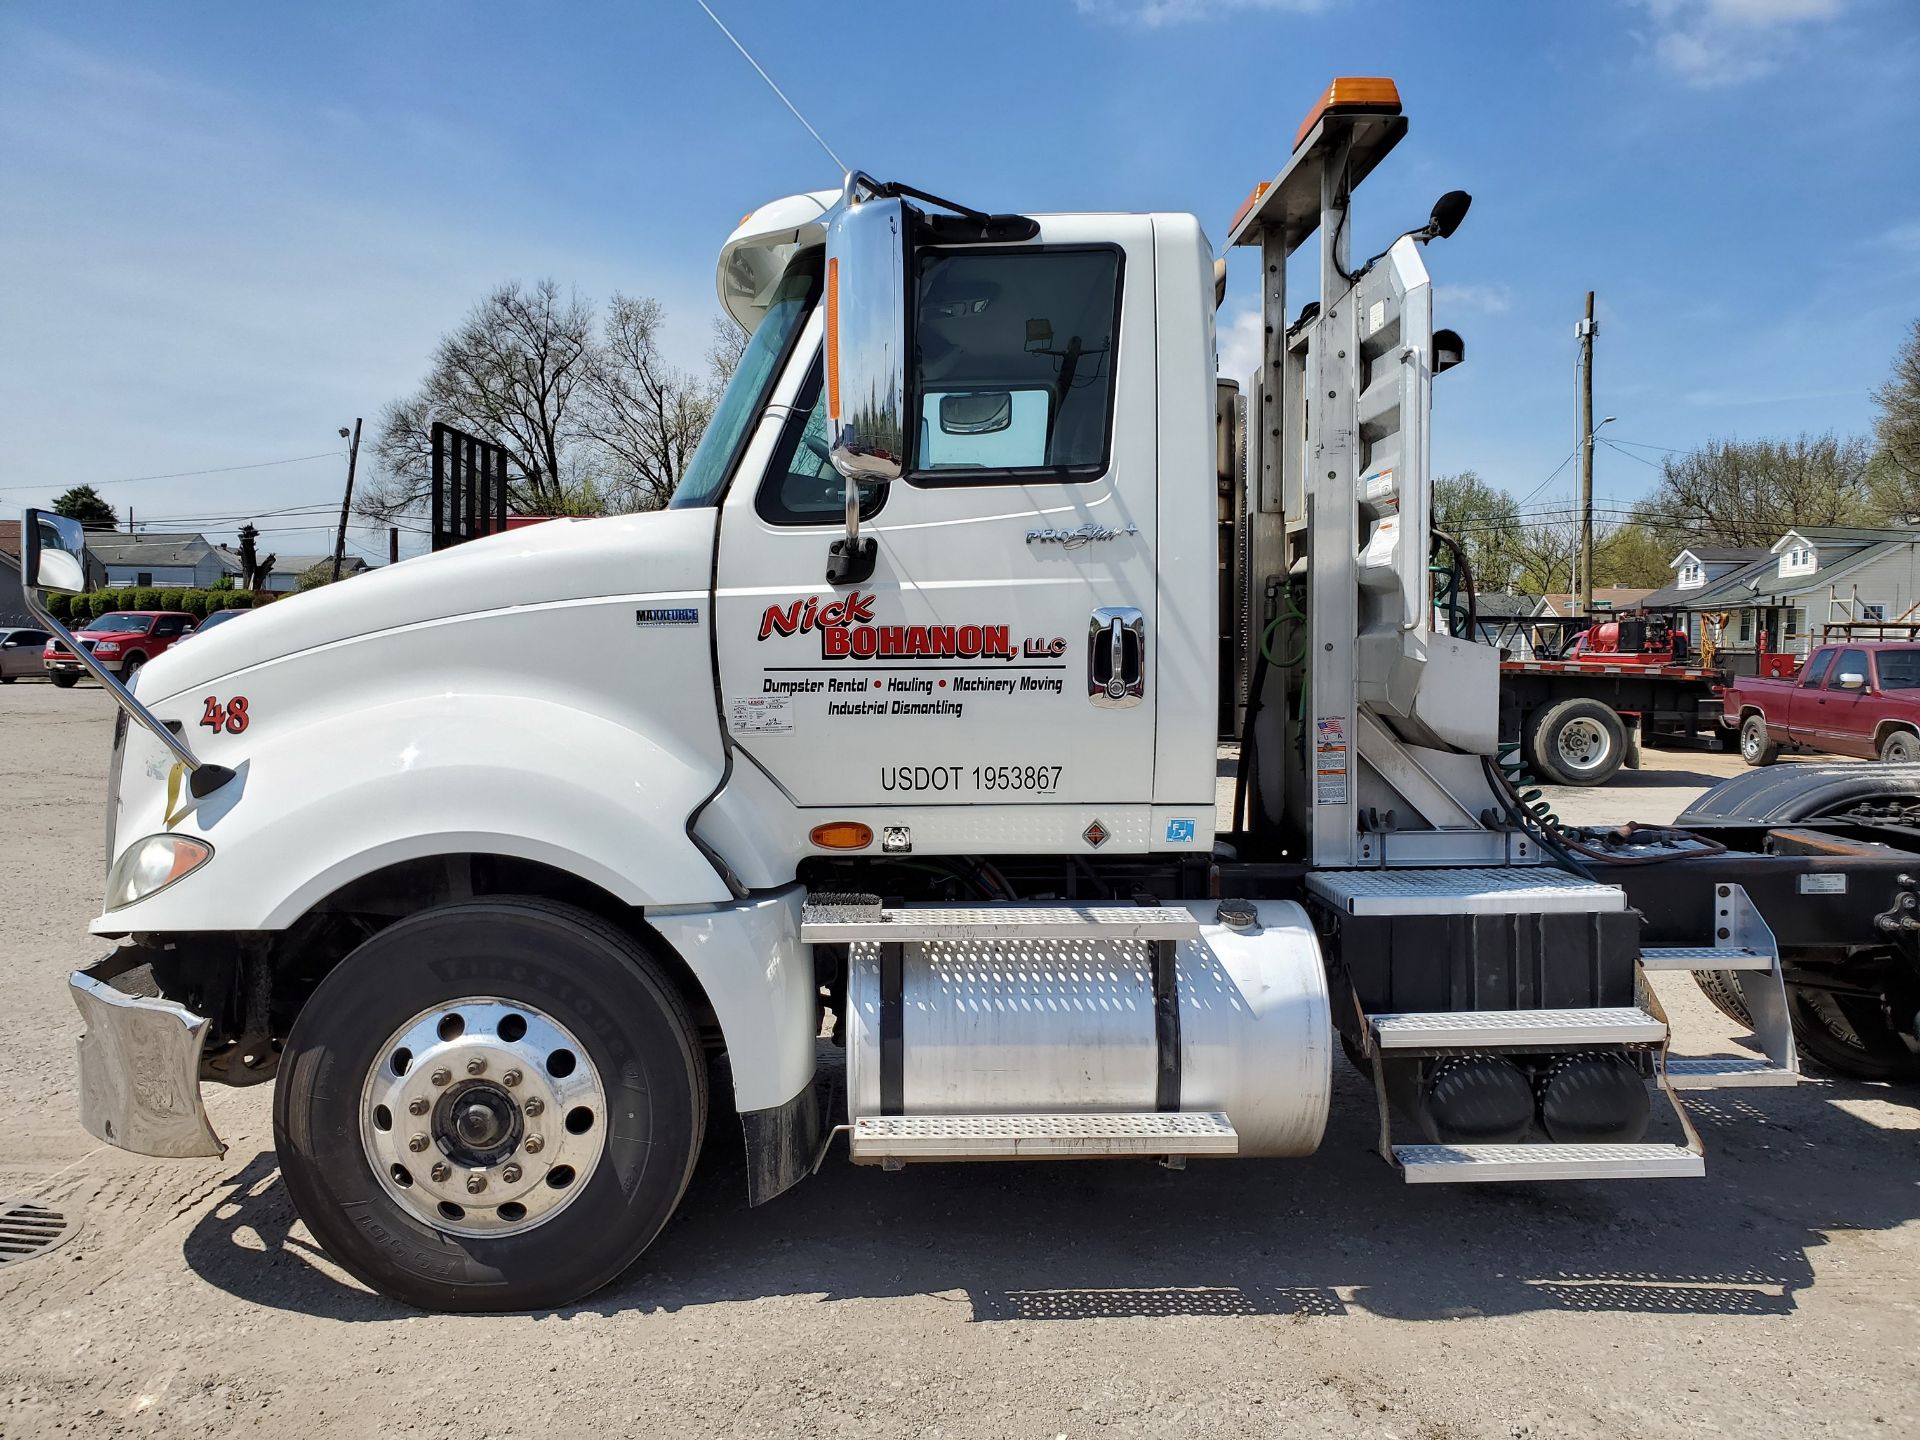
[(992, 684)]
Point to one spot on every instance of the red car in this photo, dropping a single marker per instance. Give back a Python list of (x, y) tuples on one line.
[(122, 642), (1861, 698)]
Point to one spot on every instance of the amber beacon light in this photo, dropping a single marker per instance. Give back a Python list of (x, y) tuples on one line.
[(1362, 94)]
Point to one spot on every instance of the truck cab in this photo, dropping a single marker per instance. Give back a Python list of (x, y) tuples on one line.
[(910, 743)]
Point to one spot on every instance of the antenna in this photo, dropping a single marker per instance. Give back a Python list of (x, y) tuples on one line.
[(771, 86)]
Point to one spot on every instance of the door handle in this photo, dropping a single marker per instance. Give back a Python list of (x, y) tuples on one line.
[(1116, 657)]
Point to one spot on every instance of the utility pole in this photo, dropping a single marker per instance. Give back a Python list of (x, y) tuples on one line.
[(393, 544), (1586, 330), (346, 503)]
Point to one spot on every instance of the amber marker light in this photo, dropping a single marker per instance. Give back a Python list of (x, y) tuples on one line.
[(842, 835), (1246, 205), (1372, 94)]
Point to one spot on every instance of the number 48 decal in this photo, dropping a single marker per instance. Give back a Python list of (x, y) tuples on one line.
[(231, 717)]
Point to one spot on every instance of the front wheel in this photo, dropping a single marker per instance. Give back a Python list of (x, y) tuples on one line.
[(1902, 747), (490, 1106), (65, 682), (1755, 747)]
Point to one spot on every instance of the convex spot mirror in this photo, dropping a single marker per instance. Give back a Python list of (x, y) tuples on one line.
[(1448, 211), (977, 412), (867, 339), (53, 553)]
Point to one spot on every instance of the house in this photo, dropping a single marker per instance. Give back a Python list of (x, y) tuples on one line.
[(287, 570), (1697, 570), (1811, 577), (162, 560), (1614, 599)]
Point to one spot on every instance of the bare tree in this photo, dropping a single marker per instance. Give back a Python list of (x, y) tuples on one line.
[(645, 415), (1750, 492), (1895, 475), (723, 355), (510, 373)]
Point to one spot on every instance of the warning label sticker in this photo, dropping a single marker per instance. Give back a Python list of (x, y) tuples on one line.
[(760, 714), (1330, 760)]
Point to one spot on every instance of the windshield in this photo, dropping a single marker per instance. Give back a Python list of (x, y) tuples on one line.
[(706, 474), (1899, 669), (118, 624)]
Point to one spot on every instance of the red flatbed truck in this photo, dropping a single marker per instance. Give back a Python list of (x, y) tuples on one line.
[(1579, 715)]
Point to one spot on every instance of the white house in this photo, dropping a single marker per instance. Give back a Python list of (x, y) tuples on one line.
[(161, 560)]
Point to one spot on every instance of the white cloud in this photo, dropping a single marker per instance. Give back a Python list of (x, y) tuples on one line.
[(1472, 299), (1711, 44), (1152, 14)]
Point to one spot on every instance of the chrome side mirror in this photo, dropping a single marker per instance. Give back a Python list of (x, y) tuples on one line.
[(867, 343), (53, 553), (53, 556), (1852, 680)]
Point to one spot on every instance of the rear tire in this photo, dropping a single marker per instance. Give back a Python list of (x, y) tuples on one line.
[(1722, 987), (1901, 747), (65, 682), (8, 679), (1578, 742), (1849, 1036), (583, 985), (1755, 747)]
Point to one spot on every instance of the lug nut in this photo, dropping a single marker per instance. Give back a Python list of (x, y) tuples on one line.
[(510, 1079), (416, 1143), (441, 1076), (535, 1105), (441, 1172), (511, 1174), (418, 1107), (476, 1065), (534, 1144), (475, 1184)]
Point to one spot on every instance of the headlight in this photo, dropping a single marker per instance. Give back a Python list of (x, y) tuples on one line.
[(107, 647), (152, 864)]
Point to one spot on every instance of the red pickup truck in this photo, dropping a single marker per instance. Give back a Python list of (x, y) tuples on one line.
[(1860, 698), (122, 642)]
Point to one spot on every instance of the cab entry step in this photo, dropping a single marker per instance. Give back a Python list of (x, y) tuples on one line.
[(1040, 1137), (1476, 1029), (842, 924), (1463, 1164)]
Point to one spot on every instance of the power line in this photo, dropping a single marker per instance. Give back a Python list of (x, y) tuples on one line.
[(186, 474)]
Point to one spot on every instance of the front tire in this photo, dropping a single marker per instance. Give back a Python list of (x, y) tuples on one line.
[(1579, 742), (491, 1106), (1901, 747), (65, 682), (1755, 747)]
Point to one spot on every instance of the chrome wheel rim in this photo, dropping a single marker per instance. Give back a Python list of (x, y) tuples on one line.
[(483, 1117), (1750, 743), (1583, 745)]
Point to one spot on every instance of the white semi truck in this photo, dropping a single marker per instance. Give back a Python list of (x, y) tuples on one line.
[(899, 725)]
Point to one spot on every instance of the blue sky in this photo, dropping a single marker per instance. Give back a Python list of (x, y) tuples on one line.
[(227, 229)]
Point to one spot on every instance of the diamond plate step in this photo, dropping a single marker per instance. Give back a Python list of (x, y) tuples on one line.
[(1477, 1029), (1467, 1164), (1725, 1073), (1704, 957), (1040, 1137), (818, 925), (1512, 891)]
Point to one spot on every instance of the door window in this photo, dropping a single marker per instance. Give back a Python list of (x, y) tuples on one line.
[(1817, 670), (801, 486), (1851, 662), (1013, 364), (1899, 669)]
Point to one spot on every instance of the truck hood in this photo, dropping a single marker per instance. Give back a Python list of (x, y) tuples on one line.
[(562, 560)]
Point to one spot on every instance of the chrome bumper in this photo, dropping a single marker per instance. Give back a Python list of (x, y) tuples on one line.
[(140, 1062)]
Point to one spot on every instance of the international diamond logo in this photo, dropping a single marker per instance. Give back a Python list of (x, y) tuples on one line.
[(1096, 834)]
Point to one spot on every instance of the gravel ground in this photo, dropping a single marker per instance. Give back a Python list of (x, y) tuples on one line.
[(1320, 1296)]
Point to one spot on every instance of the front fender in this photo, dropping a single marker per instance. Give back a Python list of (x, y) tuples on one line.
[(315, 806)]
